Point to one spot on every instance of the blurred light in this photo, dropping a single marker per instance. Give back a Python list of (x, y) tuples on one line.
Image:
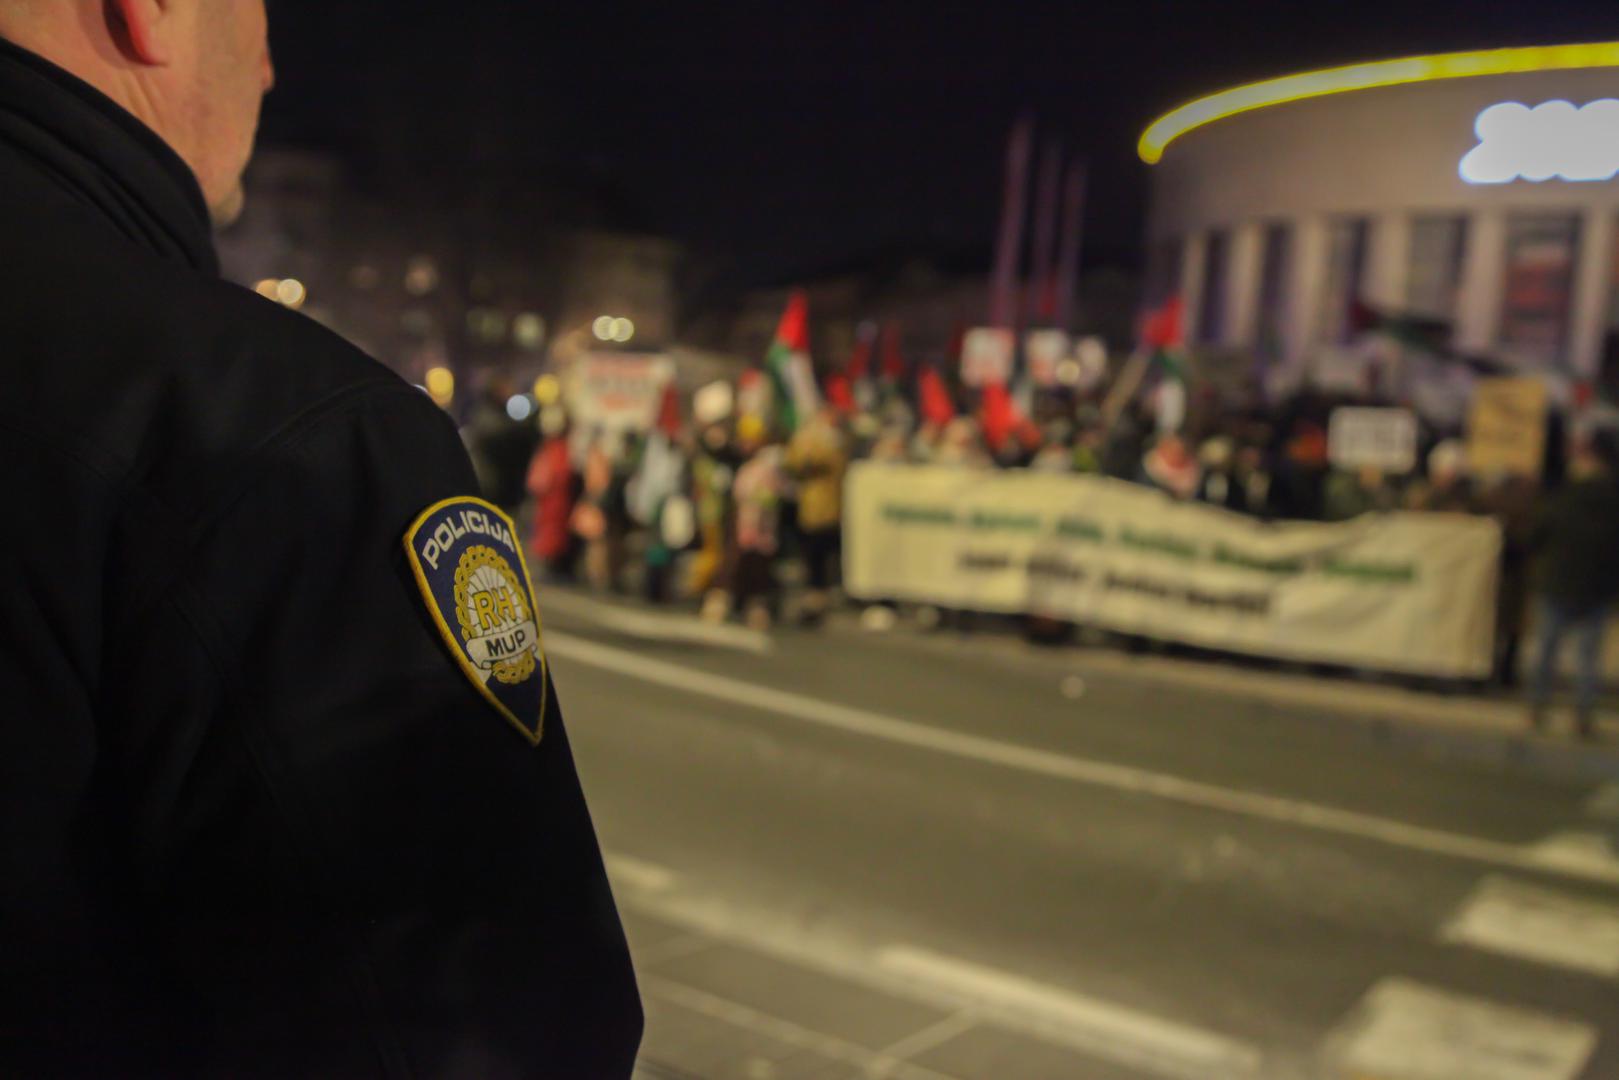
[(486, 324), (622, 329), (421, 275), (267, 289), (1552, 139), (712, 403), (1411, 69), (547, 389), (291, 292), (365, 277), (1068, 371), (440, 383), (603, 328), (519, 407), (528, 330)]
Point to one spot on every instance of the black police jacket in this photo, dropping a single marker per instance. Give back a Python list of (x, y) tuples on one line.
[(256, 815)]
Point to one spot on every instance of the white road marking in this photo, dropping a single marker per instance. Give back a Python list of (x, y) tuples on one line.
[(1100, 1028), (1604, 802), (751, 1019), (933, 1035), (1402, 1030), (1578, 853), (1104, 774), (626, 871), (1534, 923), (968, 992), (653, 626)]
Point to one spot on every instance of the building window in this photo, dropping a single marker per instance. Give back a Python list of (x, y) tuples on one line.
[(1211, 307), (1346, 271), (1275, 274), (1539, 287), (1438, 247)]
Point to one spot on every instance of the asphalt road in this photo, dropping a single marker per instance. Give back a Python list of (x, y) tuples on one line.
[(844, 854)]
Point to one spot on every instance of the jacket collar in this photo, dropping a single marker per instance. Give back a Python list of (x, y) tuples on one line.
[(89, 146)]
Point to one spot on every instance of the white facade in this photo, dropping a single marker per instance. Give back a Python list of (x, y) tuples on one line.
[(1289, 211)]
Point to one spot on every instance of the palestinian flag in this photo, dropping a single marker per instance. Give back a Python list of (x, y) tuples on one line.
[(788, 364), (1163, 335)]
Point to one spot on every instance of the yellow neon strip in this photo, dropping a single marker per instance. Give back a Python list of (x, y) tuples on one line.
[(1338, 80)]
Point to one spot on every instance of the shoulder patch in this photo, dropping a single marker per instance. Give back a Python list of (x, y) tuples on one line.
[(469, 565)]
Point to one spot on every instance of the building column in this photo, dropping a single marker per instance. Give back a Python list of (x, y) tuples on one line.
[(1588, 310), (1242, 277), (1191, 281), (1478, 309), (1309, 271), (1388, 263)]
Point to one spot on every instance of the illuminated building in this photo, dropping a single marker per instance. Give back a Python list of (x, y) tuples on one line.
[(1474, 190)]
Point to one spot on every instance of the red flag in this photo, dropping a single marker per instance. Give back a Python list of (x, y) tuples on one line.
[(1161, 328), (669, 411), (793, 330), (840, 392), (893, 360), (934, 399), (997, 415)]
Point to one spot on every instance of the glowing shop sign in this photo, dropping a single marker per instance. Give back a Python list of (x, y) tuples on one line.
[(1553, 139)]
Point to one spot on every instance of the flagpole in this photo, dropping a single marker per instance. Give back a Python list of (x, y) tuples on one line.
[(1067, 276), (1039, 304), (1009, 238)]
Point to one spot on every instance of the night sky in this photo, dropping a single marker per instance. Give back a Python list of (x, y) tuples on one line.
[(788, 136)]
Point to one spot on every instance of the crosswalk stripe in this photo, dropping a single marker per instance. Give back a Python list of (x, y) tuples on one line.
[(1534, 923), (1403, 1030)]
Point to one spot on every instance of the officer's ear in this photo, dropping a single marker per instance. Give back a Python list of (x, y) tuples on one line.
[(141, 29)]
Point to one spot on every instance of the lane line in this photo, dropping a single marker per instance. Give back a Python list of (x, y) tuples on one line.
[(1100, 1028), (1403, 1030), (653, 626), (1528, 922), (752, 1020), (1088, 771), (633, 873)]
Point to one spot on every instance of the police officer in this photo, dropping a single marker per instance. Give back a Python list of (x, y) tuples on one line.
[(284, 785)]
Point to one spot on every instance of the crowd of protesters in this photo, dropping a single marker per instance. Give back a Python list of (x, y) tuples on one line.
[(714, 508)]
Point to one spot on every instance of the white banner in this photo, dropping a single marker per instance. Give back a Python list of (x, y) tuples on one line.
[(1361, 438), (986, 355), (618, 391), (1395, 592)]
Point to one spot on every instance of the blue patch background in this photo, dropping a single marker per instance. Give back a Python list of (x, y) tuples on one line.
[(523, 702)]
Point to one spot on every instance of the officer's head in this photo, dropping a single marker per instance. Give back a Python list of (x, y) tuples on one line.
[(194, 71)]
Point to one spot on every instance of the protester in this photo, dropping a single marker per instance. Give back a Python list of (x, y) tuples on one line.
[(758, 493), (1446, 489), (1170, 467), (551, 484), (1576, 575), (597, 521), (815, 458), (713, 470), (1351, 493)]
